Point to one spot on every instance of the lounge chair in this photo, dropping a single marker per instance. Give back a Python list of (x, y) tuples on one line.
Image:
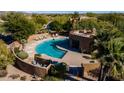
[(36, 39), (44, 37), (56, 35), (39, 38)]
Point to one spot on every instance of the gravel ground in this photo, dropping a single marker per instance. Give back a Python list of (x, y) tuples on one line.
[(13, 71)]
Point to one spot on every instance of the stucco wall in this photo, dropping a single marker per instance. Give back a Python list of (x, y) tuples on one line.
[(31, 69), (84, 42)]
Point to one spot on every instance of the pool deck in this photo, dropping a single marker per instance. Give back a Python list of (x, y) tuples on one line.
[(72, 58)]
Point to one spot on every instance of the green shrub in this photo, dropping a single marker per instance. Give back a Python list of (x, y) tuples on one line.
[(23, 78), (22, 55), (58, 69), (52, 78), (14, 76), (23, 41), (6, 57), (16, 50), (3, 73), (55, 26), (19, 24)]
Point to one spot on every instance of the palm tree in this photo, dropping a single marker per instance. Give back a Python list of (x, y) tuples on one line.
[(110, 53), (116, 47), (74, 19)]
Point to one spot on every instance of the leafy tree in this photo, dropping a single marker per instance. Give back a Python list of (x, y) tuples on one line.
[(2, 29), (58, 69), (56, 26), (87, 24), (19, 25), (90, 14), (39, 20), (78, 23), (114, 18), (6, 57), (75, 15), (62, 19), (74, 19), (67, 26)]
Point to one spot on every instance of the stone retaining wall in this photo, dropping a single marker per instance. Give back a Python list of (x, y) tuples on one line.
[(89, 67), (29, 68)]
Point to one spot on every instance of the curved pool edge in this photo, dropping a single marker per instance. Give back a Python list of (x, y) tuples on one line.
[(56, 47)]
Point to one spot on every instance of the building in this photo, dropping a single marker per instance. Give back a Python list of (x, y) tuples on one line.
[(82, 39)]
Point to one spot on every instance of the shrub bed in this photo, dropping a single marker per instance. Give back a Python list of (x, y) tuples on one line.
[(22, 55)]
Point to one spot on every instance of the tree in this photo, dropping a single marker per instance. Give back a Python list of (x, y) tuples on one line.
[(62, 19), (2, 29), (59, 69), (87, 24), (67, 26), (90, 14), (56, 26), (110, 44), (6, 57), (39, 20), (75, 15), (116, 47), (19, 25), (74, 19), (114, 18)]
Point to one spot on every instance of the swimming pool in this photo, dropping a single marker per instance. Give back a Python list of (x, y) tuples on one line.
[(49, 48)]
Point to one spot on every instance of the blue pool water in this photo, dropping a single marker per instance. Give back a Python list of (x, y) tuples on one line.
[(49, 47)]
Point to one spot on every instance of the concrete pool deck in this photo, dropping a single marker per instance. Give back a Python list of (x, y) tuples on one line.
[(72, 58)]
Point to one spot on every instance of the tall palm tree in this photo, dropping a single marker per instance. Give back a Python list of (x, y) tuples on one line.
[(116, 47), (74, 19), (110, 53), (100, 43)]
